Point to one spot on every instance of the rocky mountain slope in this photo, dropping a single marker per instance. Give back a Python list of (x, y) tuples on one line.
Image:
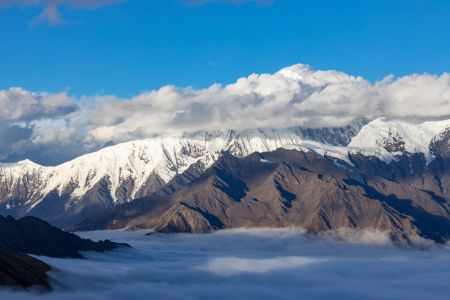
[(70, 192), (407, 197), (159, 167), (30, 235)]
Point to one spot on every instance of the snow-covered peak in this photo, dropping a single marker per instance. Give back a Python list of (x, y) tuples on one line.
[(135, 169), (21, 165), (129, 168), (341, 152), (399, 137)]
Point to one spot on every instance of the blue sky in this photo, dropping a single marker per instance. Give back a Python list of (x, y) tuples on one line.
[(129, 47)]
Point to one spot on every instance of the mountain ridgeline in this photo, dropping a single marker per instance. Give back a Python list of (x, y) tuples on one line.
[(406, 198), (384, 175), (68, 193)]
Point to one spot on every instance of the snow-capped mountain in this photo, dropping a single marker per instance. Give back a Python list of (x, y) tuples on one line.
[(73, 190), (397, 137), (388, 139), (94, 182), (318, 187)]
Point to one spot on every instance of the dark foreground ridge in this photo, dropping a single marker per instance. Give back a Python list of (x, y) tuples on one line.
[(20, 270), (31, 235)]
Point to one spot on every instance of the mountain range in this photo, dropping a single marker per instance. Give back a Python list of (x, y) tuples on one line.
[(68, 193), (382, 175)]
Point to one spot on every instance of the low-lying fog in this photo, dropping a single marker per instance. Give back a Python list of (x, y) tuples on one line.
[(261, 264)]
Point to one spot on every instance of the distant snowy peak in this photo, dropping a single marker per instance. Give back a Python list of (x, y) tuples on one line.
[(337, 136), (399, 137), (386, 139)]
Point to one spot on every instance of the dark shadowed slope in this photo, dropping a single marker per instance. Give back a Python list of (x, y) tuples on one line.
[(31, 235), (20, 270)]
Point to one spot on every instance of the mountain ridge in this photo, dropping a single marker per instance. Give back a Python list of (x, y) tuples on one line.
[(120, 173), (68, 193), (406, 199)]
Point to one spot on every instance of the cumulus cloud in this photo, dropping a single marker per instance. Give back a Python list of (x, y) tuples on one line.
[(13, 138), (298, 95), (19, 105), (268, 264), (22, 111), (295, 96)]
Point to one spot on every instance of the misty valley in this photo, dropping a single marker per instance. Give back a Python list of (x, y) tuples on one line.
[(248, 264)]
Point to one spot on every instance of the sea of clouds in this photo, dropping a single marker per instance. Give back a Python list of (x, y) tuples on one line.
[(250, 264)]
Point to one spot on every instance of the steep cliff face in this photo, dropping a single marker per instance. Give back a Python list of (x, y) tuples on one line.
[(405, 198)]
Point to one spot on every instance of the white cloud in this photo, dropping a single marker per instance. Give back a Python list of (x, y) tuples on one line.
[(19, 105), (228, 266), (295, 96), (20, 113), (172, 267)]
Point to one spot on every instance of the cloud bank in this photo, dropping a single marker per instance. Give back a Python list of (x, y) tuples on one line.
[(59, 127), (265, 264), (22, 110)]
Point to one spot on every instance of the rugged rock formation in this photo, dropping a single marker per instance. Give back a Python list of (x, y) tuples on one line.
[(393, 176), (70, 192), (405, 198), (30, 235)]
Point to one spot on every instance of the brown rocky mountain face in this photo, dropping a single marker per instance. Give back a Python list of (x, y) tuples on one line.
[(405, 198), (70, 192)]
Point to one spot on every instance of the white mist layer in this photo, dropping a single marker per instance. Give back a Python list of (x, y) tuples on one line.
[(250, 264), (235, 265)]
